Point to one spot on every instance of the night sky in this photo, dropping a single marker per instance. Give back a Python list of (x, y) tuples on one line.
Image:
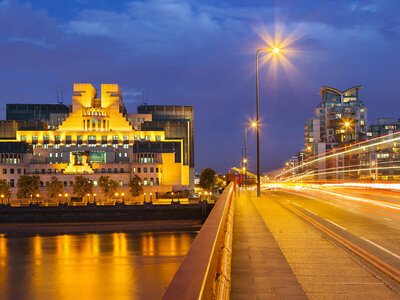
[(202, 53)]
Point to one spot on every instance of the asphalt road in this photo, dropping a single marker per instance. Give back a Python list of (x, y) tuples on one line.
[(368, 218)]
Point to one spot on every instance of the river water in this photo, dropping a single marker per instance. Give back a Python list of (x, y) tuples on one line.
[(91, 266)]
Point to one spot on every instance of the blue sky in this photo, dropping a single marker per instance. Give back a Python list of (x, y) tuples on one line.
[(202, 53)]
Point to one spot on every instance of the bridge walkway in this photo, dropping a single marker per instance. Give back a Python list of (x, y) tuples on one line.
[(259, 268)]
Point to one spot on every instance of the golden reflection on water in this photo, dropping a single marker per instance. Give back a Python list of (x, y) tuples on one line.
[(91, 266)]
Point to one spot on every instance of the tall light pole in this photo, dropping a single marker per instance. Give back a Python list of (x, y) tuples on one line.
[(246, 126), (274, 50)]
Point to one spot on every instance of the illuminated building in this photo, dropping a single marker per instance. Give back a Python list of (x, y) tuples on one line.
[(383, 126), (340, 119), (178, 123), (97, 137)]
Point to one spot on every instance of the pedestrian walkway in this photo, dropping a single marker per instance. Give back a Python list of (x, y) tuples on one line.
[(259, 269)]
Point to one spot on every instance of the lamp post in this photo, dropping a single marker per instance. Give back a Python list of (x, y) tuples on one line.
[(144, 197), (276, 51), (172, 197), (123, 196), (59, 198), (88, 198), (94, 198), (66, 198), (116, 197), (37, 199), (2, 199), (151, 197)]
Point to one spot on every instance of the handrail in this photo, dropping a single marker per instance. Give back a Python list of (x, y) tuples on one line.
[(199, 274)]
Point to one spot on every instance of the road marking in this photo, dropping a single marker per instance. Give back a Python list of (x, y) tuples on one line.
[(388, 219), (336, 224), (380, 247), (311, 212), (296, 204)]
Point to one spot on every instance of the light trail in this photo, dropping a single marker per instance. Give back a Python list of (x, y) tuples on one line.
[(341, 169), (396, 207), (359, 147), (344, 171)]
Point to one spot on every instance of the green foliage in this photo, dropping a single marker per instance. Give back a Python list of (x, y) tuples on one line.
[(108, 186), (28, 186), (82, 186), (207, 179), (4, 189), (135, 185), (55, 187)]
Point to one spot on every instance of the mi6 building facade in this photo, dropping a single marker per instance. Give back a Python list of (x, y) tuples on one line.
[(96, 136)]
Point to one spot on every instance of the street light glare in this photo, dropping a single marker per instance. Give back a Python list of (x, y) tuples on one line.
[(254, 124), (276, 50), (347, 124)]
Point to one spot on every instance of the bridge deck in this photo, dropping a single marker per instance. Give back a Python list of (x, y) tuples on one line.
[(259, 269)]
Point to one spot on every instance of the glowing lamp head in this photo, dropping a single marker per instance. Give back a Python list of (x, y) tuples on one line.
[(347, 124), (254, 124), (276, 50)]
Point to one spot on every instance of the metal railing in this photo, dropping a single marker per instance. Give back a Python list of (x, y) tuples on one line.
[(206, 268)]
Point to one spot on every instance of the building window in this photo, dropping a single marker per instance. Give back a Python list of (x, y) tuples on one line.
[(122, 170), (109, 170), (120, 183), (144, 181), (49, 171), (23, 138), (19, 171), (43, 171), (156, 170), (126, 146), (151, 170), (147, 138), (144, 170), (120, 154), (158, 138), (103, 170), (126, 154), (115, 170), (137, 138), (45, 146), (4, 171), (12, 183), (138, 170), (65, 183), (50, 154), (151, 181)]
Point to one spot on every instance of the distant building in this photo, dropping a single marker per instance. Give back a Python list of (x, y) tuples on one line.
[(178, 123), (383, 126), (96, 137), (340, 119)]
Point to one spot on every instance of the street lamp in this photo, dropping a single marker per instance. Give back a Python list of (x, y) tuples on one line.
[(276, 51), (151, 197), (66, 198), (2, 199), (122, 195), (37, 198), (94, 198), (172, 197), (59, 198)]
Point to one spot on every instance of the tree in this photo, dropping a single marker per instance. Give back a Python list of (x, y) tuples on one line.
[(135, 186), (4, 190), (207, 179), (54, 188), (108, 186), (28, 186), (82, 186)]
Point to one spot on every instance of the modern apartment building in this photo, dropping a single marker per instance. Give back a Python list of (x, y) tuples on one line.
[(340, 119), (95, 137)]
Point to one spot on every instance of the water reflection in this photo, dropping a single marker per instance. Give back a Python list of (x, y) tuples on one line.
[(90, 266)]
